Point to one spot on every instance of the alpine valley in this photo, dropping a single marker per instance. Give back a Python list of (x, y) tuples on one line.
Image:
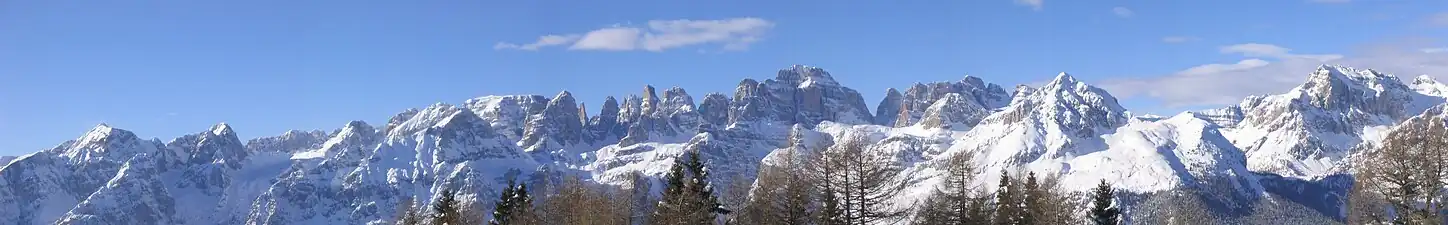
[(1289, 152)]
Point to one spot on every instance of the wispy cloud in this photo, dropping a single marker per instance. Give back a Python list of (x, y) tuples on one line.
[(1034, 4), (1179, 39), (544, 41), (1273, 51), (1269, 69), (609, 39), (658, 36), (1122, 12)]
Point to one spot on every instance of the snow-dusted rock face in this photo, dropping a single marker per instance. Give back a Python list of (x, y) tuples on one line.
[(360, 174), (39, 188), (1310, 129), (509, 113), (920, 97), (605, 126), (889, 108), (6, 160), (559, 125), (714, 110), (953, 112), (808, 95), (292, 141)]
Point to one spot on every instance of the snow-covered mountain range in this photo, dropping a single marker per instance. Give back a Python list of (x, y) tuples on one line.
[(1267, 147)]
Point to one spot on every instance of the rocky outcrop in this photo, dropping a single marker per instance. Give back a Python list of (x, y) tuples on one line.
[(605, 127), (714, 110), (508, 114), (919, 97), (953, 112), (556, 127), (888, 111), (292, 141), (1309, 130)]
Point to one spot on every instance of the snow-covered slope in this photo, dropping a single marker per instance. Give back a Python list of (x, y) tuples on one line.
[(1311, 128), (6, 160), (361, 174)]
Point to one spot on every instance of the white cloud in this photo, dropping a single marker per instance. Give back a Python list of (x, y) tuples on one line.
[(659, 35), (1034, 4), (1434, 50), (609, 39), (1277, 71), (544, 41), (1122, 12), (734, 34), (1178, 39), (1209, 69), (1274, 51)]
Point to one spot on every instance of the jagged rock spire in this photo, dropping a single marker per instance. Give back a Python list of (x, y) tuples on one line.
[(889, 108), (558, 124)]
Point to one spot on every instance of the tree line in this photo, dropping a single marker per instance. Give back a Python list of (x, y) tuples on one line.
[(844, 184)]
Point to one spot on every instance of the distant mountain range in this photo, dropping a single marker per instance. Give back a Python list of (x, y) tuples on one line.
[(1292, 146)]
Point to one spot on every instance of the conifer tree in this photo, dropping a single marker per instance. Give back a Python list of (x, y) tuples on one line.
[(1006, 204), (1102, 212), (505, 204), (1032, 202), (447, 210), (689, 198), (515, 206)]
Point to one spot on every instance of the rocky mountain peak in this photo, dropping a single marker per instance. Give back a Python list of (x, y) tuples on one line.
[(650, 103), (1063, 80), (218, 145), (610, 107), (809, 95), (954, 111), (1427, 85), (557, 124), (714, 110), (675, 100), (919, 97), (103, 142), (605, 126), (291, 141), (463, 136), (803, 75), (398, 119), (889, 108), (222, 129)]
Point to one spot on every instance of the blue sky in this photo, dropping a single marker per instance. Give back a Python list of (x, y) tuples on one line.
[(168, 68)]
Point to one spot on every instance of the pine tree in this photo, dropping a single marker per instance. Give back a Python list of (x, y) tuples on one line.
[(1006, 205), (1032, 203), (447, 210), (1102, 212), (700, 186), (506, 202), (515, 206), (689, 198)]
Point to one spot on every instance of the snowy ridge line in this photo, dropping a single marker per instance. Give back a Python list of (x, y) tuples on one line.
[(1263, 148)]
